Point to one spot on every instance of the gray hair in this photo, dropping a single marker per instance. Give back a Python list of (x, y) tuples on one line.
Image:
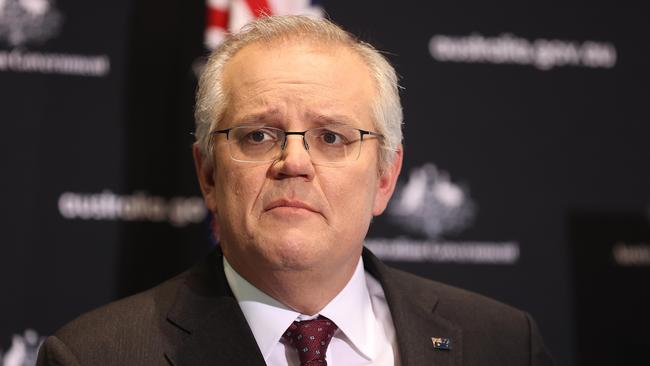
[(212, 99)]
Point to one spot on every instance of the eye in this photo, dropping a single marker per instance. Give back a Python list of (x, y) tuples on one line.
[(259, 136), (332, 138)]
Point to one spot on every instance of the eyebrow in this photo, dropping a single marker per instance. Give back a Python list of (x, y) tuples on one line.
[(258, 117), (333, 120), (317, 119)]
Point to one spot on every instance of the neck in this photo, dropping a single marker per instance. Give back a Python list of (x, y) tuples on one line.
[(291, 286)]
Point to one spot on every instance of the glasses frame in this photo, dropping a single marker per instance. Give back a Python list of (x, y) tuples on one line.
[(362, 133)]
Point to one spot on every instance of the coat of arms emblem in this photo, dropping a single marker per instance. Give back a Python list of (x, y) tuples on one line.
[(28, 21)]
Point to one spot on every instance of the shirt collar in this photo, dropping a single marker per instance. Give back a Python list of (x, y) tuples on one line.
[(351, 310)]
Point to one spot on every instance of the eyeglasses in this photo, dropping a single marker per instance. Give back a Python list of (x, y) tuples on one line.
[(325, 145)]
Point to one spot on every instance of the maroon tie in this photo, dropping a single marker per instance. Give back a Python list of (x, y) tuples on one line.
[(311, 338)]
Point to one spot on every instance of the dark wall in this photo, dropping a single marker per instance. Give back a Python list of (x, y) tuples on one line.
[(525, 177)]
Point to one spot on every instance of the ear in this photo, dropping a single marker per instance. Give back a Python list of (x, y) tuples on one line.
[(386, 183), (205, 175)]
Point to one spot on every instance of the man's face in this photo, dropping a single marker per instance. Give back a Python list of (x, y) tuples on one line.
[(291, 214)]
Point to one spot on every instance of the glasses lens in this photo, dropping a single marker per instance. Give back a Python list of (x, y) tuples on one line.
[(255, 143), (333, 144)]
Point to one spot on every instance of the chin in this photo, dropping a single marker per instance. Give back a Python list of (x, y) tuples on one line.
[(294, 254)]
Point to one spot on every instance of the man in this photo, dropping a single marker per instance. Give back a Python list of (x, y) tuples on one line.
[(298, 147)]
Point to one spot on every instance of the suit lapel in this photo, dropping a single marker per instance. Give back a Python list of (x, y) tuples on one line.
[(214, 330), (211, 329), (412, 306)]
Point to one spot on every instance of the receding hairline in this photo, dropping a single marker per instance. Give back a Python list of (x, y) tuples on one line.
[(302, 37), (295, 40)]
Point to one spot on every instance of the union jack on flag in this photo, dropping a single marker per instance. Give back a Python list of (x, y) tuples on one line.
[(228, 16)]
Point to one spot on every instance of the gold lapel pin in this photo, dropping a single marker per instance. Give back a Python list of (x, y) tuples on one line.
[(441, 343)]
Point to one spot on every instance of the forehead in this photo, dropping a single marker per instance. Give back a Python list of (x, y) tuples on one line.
[(318, 79)]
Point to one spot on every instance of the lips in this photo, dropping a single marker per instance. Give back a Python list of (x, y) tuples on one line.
[(290, 204)]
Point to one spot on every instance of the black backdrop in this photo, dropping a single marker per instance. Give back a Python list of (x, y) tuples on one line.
[(539, 192)]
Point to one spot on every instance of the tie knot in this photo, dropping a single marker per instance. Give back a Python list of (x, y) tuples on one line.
[(311, 338)]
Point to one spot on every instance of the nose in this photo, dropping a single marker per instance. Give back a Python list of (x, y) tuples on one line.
[(304, 139), (295, 160)]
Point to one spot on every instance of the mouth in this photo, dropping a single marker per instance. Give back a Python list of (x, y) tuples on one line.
[(290, 205)]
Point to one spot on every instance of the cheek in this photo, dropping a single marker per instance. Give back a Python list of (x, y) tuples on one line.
[(239, 190), (228, 189), (351, 195)]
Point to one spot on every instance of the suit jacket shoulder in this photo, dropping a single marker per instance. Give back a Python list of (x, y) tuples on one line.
[(482, 331), (117, 333), (191, 319)]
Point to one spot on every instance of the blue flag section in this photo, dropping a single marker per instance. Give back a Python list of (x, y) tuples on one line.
[(525, 173)]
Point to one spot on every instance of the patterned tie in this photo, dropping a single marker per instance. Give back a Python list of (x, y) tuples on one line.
[(311, 338)]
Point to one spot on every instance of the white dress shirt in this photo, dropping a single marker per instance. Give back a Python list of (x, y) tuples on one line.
[(365, 335)]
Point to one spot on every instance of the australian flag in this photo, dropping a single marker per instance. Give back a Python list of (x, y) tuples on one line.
[(228, 16)]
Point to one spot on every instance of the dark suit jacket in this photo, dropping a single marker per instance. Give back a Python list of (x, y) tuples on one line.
[(194, 319)]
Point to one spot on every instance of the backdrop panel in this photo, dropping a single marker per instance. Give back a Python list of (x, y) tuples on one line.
[(525, 174)]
